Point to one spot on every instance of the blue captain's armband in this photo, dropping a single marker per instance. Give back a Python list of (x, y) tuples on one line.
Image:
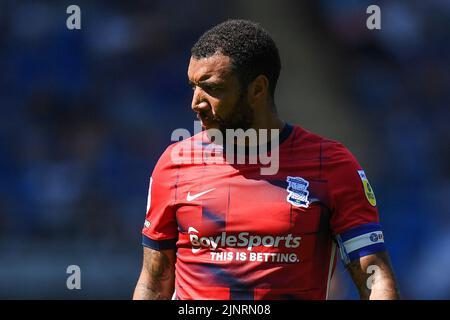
[(360, 241)]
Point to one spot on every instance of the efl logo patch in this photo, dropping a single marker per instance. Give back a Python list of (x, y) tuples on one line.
[(298, 192), (370, 195)]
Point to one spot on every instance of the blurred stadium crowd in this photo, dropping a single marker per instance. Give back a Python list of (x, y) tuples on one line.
[(85, 114)]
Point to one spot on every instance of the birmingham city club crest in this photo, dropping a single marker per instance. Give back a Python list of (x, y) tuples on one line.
[(298, 191)]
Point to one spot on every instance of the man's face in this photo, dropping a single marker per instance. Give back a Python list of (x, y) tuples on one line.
[(217, 96)]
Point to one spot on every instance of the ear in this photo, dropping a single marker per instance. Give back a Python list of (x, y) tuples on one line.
[(258, 90)]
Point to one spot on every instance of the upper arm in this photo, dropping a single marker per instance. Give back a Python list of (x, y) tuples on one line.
[(355, 225), (374, 277), (160, 229), (159, 236), (365, 257)]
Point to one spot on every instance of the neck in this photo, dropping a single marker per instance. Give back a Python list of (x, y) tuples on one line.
[(268, 119)]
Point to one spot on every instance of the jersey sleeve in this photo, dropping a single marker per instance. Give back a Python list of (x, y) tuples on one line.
[(160, 229), (354, 220)]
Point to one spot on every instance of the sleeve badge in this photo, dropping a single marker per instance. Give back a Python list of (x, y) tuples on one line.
[(370, 195)]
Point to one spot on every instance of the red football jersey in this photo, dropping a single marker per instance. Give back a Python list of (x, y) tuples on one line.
[(243, 235)]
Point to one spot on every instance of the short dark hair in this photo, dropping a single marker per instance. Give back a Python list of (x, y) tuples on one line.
[(251, 49)]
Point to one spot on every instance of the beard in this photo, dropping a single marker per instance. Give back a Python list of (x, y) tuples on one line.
[(240, 116)]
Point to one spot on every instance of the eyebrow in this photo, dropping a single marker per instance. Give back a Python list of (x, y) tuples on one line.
[(205, 83)]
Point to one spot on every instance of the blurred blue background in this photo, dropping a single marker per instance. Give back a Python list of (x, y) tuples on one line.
[(85, 114)]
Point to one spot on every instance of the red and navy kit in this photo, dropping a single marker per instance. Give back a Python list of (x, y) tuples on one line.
[(243, 235)]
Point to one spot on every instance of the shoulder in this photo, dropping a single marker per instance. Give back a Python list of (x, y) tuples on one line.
[(331, 151), (181, 152)]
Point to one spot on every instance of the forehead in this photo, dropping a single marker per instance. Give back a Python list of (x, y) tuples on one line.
[(214, 67)]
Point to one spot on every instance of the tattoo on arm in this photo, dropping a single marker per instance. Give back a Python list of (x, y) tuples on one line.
[(359, 277), (158, 267), (158, 275), (374, 277)]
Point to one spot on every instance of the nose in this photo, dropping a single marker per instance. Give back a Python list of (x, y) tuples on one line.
[(201, 107), (199, 103)]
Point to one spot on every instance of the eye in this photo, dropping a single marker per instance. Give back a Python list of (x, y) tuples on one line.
[(192, 85), (212, 88)]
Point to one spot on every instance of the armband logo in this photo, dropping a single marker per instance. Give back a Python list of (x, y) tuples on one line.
[(375, 237)]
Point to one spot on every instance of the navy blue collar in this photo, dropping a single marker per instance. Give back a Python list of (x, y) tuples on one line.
[(283, 136), (285, 132)]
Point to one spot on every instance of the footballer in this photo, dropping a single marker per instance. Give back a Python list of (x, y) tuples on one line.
[(225, 231)]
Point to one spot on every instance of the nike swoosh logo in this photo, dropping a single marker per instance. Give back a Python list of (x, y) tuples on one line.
[(195, 196)]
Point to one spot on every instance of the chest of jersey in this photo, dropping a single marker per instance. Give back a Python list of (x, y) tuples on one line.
[(217, 199)]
